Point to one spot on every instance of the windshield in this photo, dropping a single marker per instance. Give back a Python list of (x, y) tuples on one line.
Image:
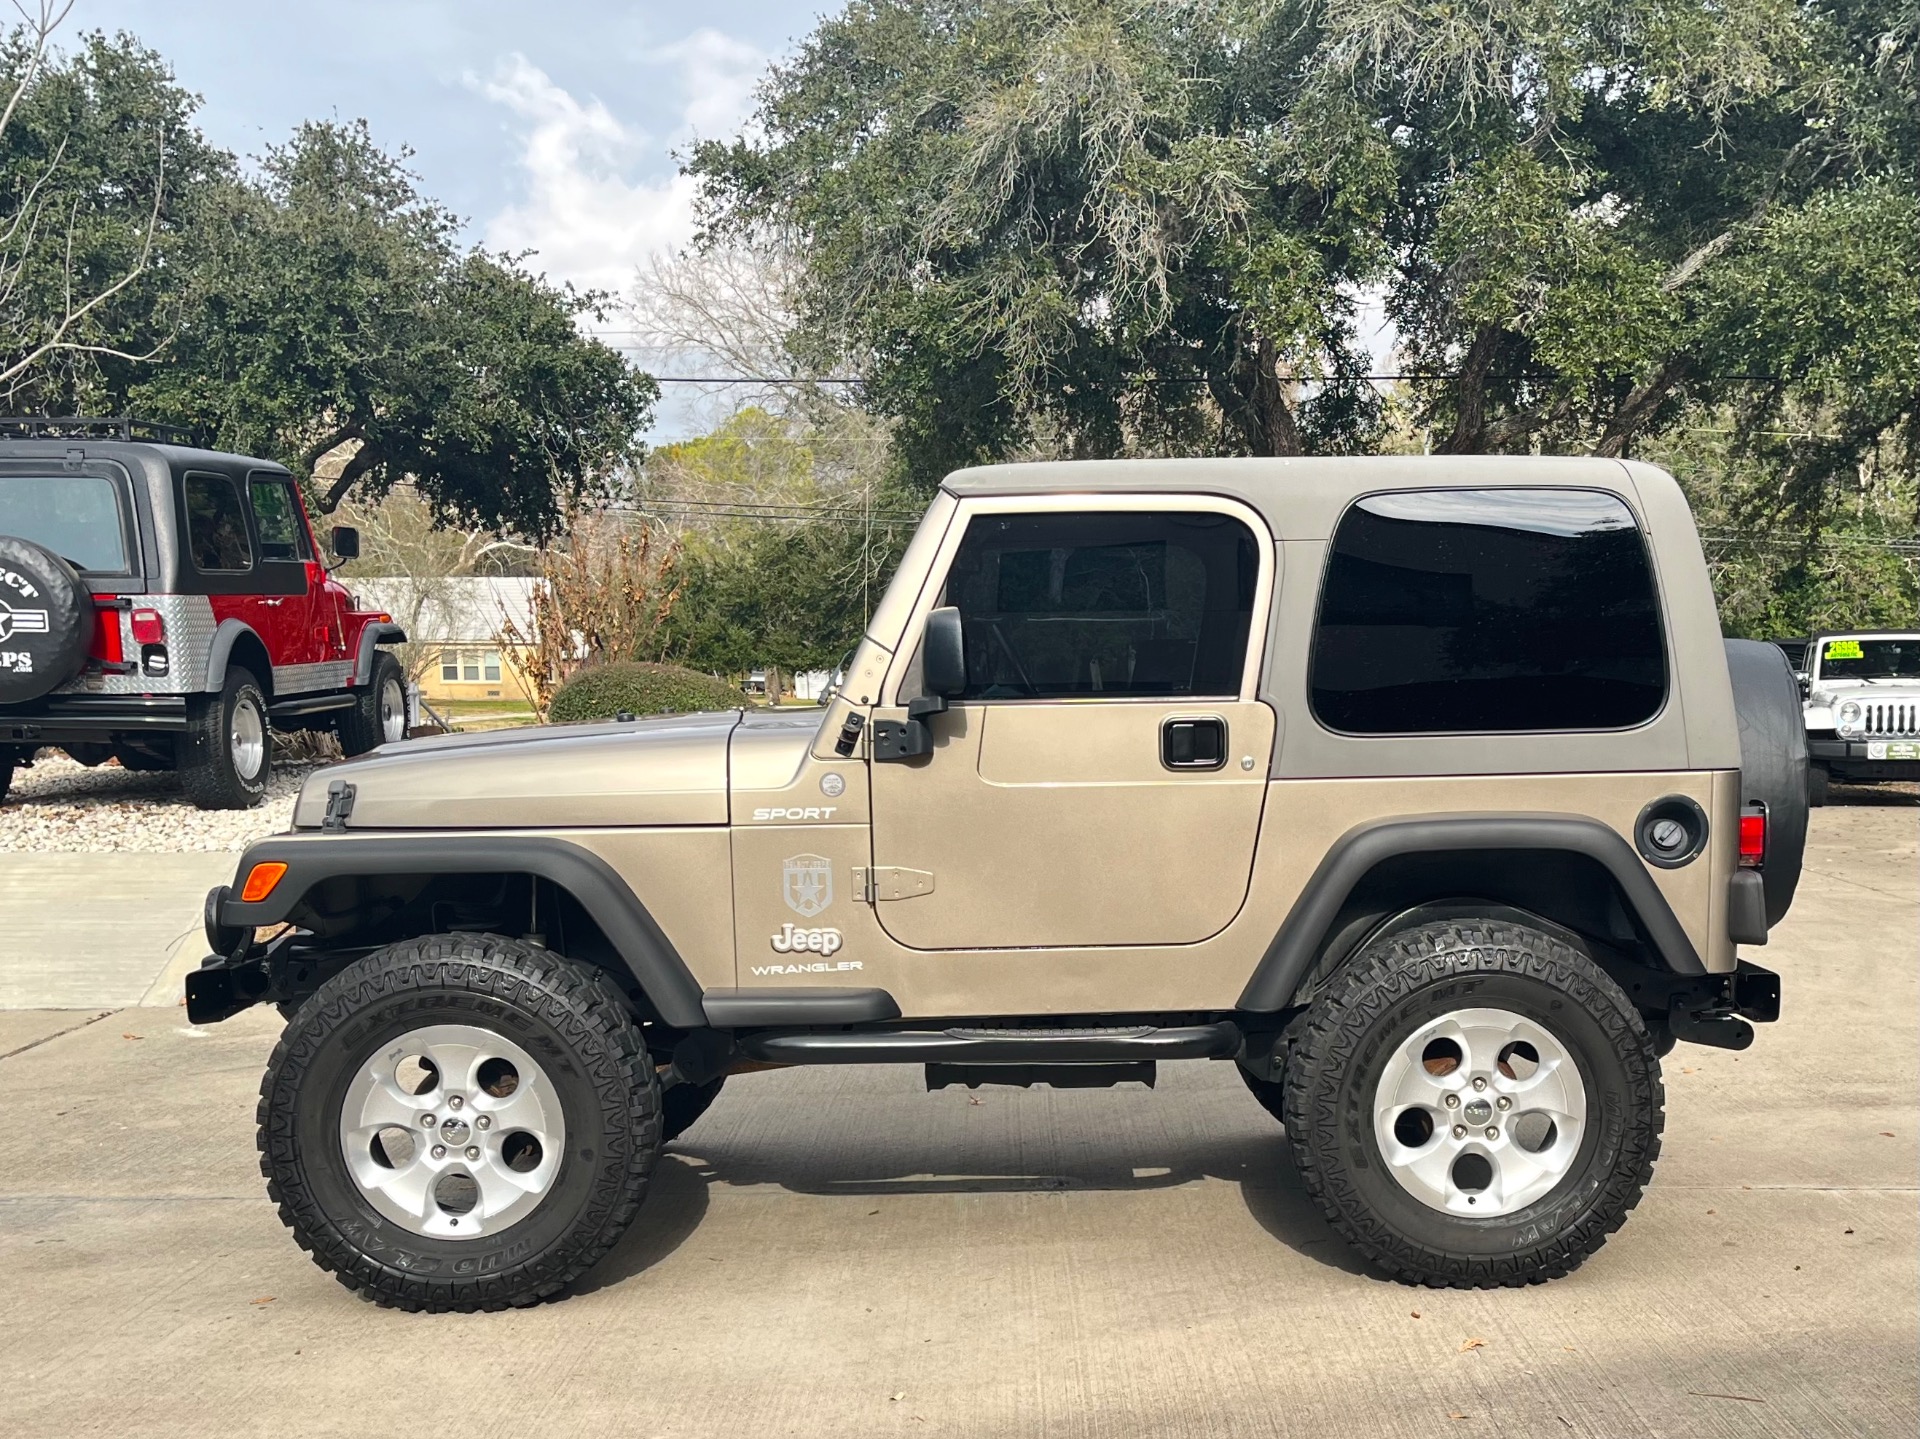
[(75, 516), (1847, 659)]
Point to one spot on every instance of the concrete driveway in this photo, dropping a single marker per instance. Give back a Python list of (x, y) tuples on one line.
[(840, 1253)]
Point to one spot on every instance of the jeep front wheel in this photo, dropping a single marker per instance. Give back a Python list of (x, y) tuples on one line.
[(226, 752), (1474, 1104), (460, 1122), (379, 712)]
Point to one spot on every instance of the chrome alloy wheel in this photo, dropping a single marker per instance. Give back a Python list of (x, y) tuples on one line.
[(393, 712), (247, 738), (1480, 1112), (452, 1131)]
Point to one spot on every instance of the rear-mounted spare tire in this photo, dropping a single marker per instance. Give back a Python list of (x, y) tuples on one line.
[(46, 621), (1773, 761)]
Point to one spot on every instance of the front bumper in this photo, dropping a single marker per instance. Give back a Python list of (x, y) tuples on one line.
[(1870, 758)]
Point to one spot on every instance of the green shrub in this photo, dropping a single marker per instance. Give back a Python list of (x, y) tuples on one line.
[(642, 689)]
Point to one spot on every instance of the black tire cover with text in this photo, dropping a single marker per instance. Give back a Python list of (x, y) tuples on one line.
[(46, 621), (1773, 760)]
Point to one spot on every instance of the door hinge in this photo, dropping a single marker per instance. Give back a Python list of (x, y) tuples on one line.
[(891, 882)]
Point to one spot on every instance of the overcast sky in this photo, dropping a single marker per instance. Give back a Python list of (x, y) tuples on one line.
[(550, 126)]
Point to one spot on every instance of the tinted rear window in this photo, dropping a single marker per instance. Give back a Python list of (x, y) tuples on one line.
[(1451, 611), (78, 517), (216, 525)]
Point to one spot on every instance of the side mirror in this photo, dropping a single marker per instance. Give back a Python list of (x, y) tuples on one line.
[(943, 663), (344, 541), (944, 655), (1806, 683)]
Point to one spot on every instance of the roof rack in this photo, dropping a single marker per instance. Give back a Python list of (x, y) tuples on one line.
[(81, 427)]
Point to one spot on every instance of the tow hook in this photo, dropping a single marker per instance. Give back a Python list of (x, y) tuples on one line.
[(1722, 1029)]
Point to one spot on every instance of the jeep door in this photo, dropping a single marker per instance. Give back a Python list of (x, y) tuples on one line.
[(293, 603), (1100, 781)]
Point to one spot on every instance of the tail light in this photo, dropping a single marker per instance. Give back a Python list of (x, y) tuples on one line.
[(148, 627), (1753, 836)]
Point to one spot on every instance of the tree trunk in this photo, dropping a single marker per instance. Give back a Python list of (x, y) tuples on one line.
[(1254, 400)]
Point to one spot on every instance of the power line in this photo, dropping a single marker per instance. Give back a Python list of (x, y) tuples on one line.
[(1408, 376)]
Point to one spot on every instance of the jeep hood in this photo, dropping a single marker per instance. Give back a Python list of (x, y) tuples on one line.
[(665, 771)]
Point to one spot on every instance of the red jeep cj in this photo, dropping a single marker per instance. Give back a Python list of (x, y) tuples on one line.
[(165, 606)]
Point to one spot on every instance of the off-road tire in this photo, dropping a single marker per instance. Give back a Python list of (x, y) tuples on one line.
[(206, 764), (1819, 777), (1381, 997), (362, 727), (571, 1017), (682, 1106)]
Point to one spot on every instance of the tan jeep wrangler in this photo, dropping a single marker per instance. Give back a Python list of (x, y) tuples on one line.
[(1413, 788)]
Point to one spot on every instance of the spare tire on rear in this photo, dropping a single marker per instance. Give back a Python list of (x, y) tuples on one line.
[(1773, 761), (46, 621)]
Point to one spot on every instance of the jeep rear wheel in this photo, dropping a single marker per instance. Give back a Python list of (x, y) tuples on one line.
[(460, 1122), (379, 713), (1474, 1104), (227, 749)]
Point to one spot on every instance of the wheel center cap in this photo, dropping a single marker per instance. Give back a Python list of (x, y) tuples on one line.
[(1478, 1111), (454, 1132)]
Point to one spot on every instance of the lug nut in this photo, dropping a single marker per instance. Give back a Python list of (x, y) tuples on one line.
[(439, 1151), (426, 1121), (1504, 1102), (1453, 1101), (1493, 1133), (1477, 1084), (484, 1122), (1459, 1131), (457, 1101), (473, 1151)]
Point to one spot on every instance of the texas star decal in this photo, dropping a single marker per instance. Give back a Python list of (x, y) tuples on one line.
[(806, 884), (20, 622)]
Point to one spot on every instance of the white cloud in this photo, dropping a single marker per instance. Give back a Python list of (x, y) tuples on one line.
[(602, 196)]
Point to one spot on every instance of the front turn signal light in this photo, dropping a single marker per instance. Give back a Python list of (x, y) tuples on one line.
[(260, 881)]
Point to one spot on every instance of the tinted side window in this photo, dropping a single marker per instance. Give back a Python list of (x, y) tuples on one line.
[(1105, 603), (1448, 611), (277, 518), (216, 526)]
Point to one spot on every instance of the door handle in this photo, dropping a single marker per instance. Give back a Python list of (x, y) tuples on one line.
[(1194, 743), (274, 604)]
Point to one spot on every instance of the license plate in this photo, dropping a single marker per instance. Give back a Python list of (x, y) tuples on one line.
[(1893, 749)]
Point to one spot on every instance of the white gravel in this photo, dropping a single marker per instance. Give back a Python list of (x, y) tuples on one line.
[(59, 806)]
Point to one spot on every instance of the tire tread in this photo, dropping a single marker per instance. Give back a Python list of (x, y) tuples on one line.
[(1340, 1020), (581, 1003)]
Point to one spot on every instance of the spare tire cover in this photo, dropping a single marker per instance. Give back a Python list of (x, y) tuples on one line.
[(1773, 760), (46, 621)]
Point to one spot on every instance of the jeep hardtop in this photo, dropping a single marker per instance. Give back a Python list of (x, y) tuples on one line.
[(167, 607), (1424, 792)]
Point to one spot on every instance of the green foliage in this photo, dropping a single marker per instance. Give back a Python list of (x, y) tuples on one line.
[(789, 544), (324, 305), (102, 178), (330, 306), (639, 689), (1080, 228)]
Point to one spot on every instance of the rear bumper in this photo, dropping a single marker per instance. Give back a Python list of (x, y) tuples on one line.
[(58, 718)]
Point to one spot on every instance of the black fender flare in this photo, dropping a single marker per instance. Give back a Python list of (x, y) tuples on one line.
[(378, 632), (650, 957), (1304, 932), (229, 633)]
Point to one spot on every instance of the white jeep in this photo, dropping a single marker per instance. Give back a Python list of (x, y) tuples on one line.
[(1862, 709)]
